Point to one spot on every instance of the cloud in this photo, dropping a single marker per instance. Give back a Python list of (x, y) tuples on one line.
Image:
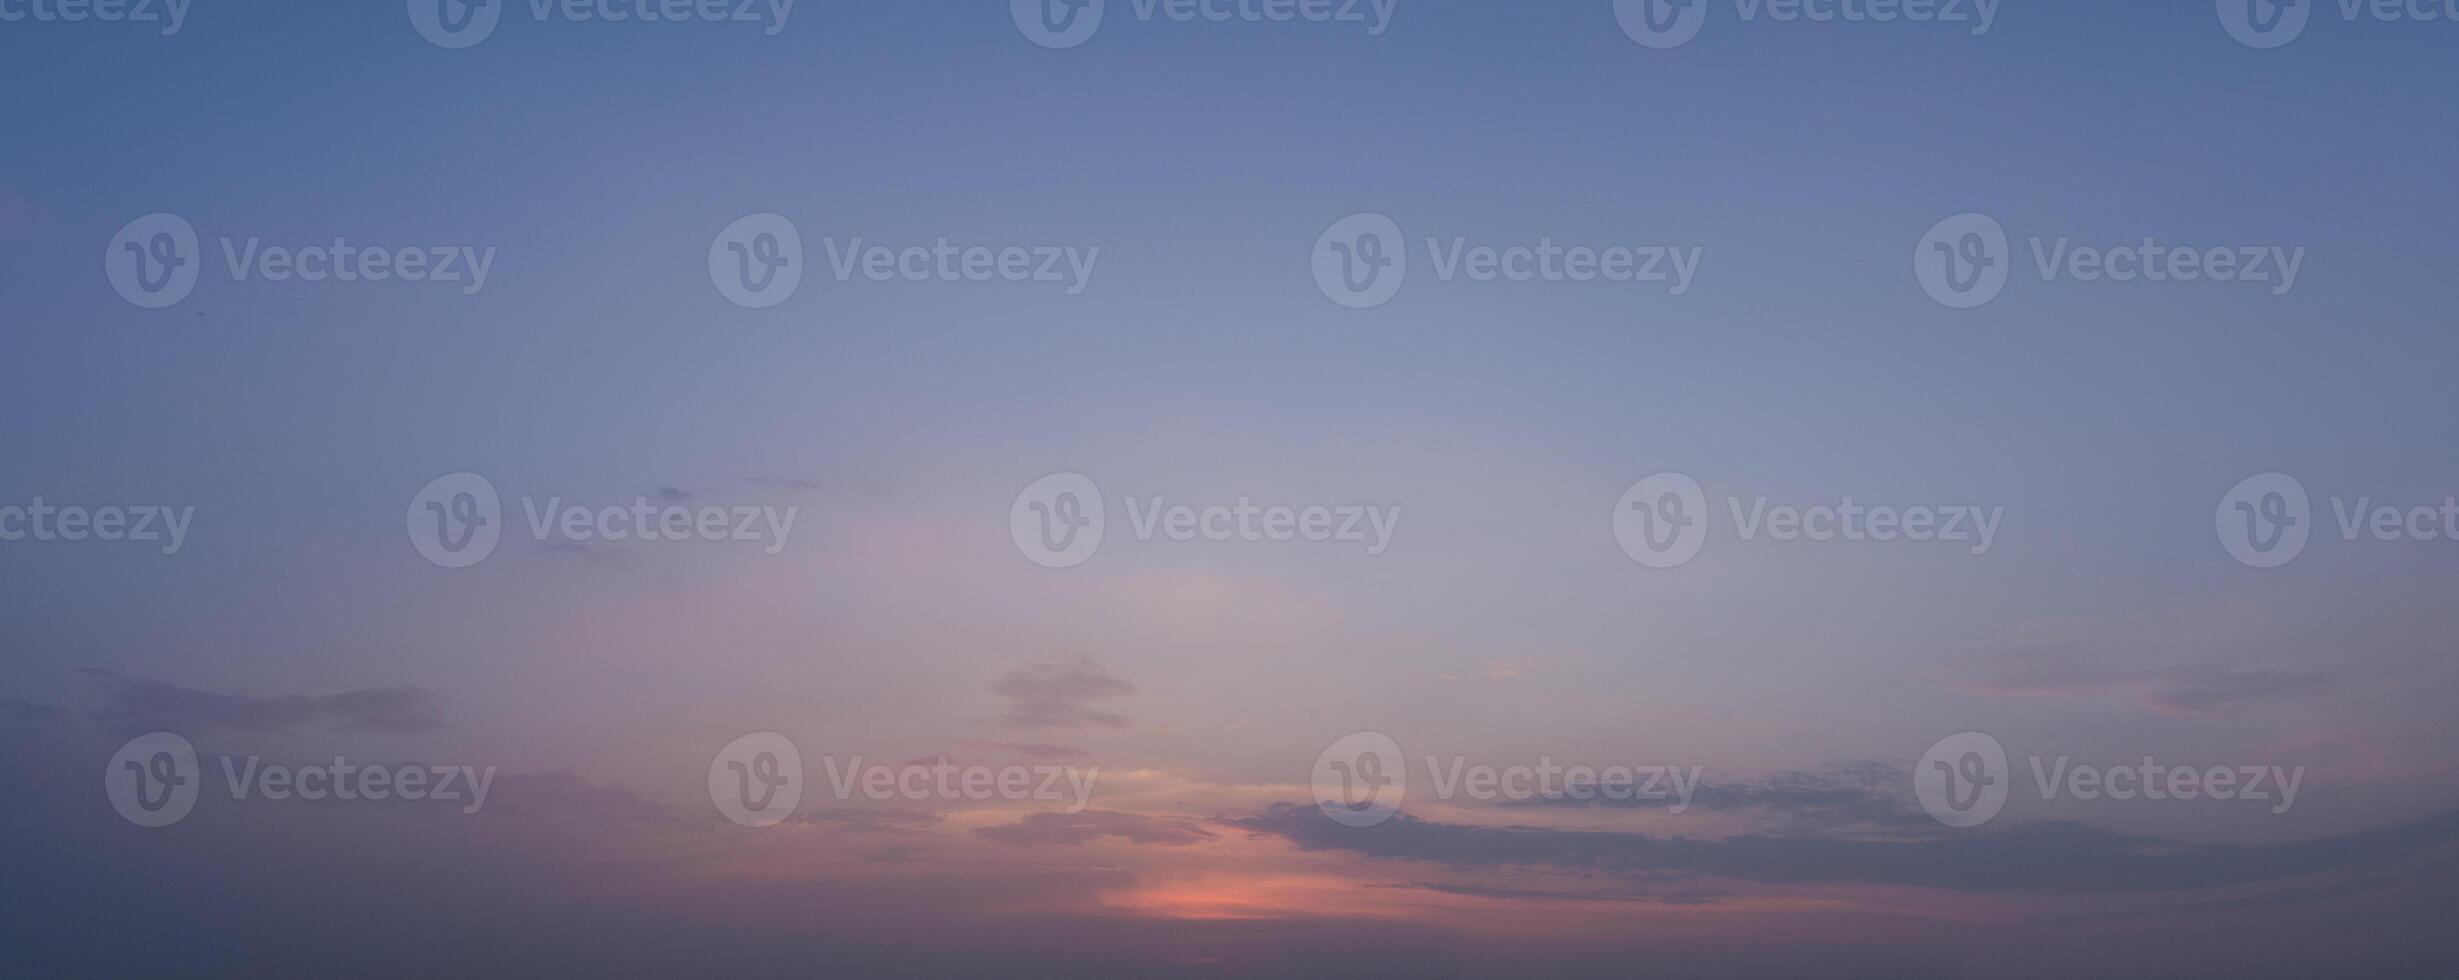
[(1093, 825), (136, 704), (2180, 662), (1032, 750), (1058, 695), (1853, 798), (2046, 858), (871, 821)]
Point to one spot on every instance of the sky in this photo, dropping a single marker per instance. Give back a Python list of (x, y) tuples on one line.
[(919, 511)]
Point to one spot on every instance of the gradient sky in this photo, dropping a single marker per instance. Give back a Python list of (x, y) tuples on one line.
[(1202, 364)]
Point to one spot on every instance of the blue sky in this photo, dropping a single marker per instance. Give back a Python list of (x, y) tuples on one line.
[(1201, 364)]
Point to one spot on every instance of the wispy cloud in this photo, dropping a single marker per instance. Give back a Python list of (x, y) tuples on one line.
[(138, 704), (1093, 825), (2047, 858), (1060, 695)]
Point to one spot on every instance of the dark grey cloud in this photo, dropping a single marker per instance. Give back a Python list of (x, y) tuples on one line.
[(1060, 695), (871, 821), (1093, 825), (2048, 858), (138, 704), (1844, 799), (2184, 689), (1032, 750)]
